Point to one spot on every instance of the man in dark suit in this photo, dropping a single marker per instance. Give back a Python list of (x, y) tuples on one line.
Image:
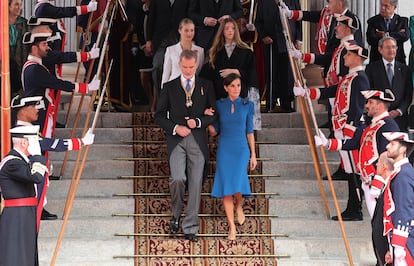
[(180, 112), (387, 72), (379, 241), (270, 30), (208, 14), (387, 23)]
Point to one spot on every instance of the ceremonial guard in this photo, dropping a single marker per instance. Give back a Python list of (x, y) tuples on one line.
[(347, 111), (38, 81), (20, 169), (369, 140), (398, 201), (46, 10), (26, 110)]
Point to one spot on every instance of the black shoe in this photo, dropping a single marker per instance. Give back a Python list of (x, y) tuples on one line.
[(59, 125), (338, 175), (191, 237), (174, 225), (55, 177), (349, 216), (48, 216)]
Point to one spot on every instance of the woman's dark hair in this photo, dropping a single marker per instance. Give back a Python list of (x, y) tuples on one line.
[(230, 78)]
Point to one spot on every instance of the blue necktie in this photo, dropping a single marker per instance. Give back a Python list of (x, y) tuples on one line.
[(387, 23), (390, 73), (188, 85)]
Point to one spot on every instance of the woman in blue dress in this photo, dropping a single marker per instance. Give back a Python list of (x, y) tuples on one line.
[(236, 148)]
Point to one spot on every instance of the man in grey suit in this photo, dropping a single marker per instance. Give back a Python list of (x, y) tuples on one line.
[(180, 112), (389, 73)]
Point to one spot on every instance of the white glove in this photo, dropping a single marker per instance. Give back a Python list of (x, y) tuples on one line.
[(399, 254), (88, 138), (134, 51), (94, 53), (34, 146), (94, 85), (295, 53), (321, 139), (92, 6), (299, 91), (287, 12)]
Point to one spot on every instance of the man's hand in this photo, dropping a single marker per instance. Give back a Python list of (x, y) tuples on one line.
[(94, 85), (394, 113), (321, 139), (89, 138), (34, 146), (299, 91), (286, 11), (267, 40), (210, 22), (182, 131), (191, 123), (220, 19), (295, 53), (148, 48), (209, 111), (94, 53), (92, 6)]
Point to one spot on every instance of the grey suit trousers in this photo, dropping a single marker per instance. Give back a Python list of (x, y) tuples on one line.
[(187, 164)]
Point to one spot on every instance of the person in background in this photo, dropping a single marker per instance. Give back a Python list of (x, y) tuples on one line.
[(385, 167), (236, 150), (17, 53), (411, 58), (171, 69), (387, 23), (20, 170), (26, 110), (180, 112), (270, 30), (388, 72), (208, 15), (229, 54), (398, 200), (346, 118), (370, 142)]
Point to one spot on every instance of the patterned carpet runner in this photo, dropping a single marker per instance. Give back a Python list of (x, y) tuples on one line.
[(156, 247)]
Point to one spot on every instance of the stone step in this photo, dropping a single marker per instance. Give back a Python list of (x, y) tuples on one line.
[(92, 207), (291, 152), (74, 251), (289, 188), (97, 152), (97, 169), (326, 248), (122, 119), (102, 135), (89, 188), (296, 169), (307, 207), (285, 135), (289, 120), (103, 228), (104, 120), (313, 227)]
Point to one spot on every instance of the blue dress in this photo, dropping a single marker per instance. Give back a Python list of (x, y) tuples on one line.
[(233, 153)]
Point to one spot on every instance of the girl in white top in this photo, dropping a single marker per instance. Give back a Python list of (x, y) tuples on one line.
[(172, 53)]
